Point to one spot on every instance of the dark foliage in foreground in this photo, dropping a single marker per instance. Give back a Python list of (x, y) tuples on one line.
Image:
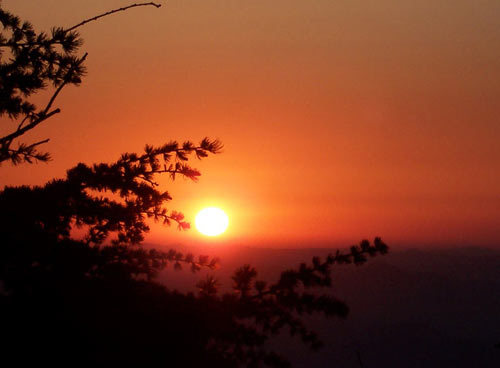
[(66, 297)]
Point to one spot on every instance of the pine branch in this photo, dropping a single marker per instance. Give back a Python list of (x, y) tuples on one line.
[(24, 153), (66, 80), (183, 170), (43, 115), (174, 216), (20, 131), (153, 183), (109, 13), (214, 146), (35, 64)]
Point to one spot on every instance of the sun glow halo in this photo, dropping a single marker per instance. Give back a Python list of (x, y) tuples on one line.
[(211, 221)]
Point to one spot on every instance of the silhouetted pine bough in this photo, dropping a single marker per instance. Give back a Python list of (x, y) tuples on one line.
[(102, 303), (92, 299), (31, 62)]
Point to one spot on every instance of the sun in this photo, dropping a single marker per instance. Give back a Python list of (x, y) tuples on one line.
[(211, 221)]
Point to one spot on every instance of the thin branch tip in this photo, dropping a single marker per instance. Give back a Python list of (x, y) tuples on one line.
[(156, 5)]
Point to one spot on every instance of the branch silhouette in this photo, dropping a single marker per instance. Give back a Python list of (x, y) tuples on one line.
[(35, 64), (111, 12)]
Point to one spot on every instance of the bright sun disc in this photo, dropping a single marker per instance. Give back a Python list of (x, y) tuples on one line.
[(211, 221)]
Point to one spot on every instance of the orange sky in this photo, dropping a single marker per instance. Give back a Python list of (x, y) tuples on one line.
[(341, 119)]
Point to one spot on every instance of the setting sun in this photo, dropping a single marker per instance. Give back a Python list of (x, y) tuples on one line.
[(211, 221)]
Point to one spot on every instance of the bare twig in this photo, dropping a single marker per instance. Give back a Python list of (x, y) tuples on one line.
[(23, 121), (109, 13), (38, 143)]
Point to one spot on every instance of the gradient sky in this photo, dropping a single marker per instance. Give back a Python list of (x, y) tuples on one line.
[(341, 119)]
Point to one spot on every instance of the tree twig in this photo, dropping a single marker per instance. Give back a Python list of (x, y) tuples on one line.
[(27, 152), (153, 183), (38, 143), (9, 138), (109, 13), (65, 81), (23, 121)]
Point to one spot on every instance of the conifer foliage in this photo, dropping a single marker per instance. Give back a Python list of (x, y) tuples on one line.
[(32, 61), (91, 297)]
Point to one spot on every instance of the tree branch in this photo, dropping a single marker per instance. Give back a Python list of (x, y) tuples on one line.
[(153, 183), (9, 138), (109, 13), (23, 153), (23, 121), (65, 81), (38, 143), (175, 216), (44, 114)]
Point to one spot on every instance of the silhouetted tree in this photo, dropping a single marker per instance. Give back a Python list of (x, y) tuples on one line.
[(77, 282), (29, 63), (72, 299)]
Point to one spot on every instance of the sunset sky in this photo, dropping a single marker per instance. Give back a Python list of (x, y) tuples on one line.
[(341, 119)]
